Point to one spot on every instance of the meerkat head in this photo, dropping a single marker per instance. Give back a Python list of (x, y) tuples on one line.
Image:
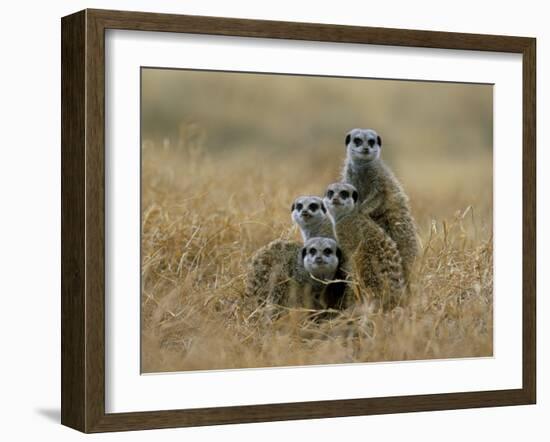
[(309, 213), (340, 199), (321, 257), (363, 145)]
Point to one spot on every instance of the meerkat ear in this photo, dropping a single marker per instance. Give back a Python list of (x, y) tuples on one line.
[(323, 208), (339, 253), (355, 196), (303, 252), (348, 139), (379, 140), (292, 208)]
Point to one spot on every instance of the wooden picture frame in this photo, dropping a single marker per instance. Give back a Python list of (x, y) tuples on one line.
[(83, 220)]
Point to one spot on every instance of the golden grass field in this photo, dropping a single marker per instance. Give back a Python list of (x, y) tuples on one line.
[(207, 209)]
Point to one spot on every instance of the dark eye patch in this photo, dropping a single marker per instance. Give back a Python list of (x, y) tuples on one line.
[(313, 251), (330, 193), (313, 207), (344, 194), (327, 252), (299, 206)]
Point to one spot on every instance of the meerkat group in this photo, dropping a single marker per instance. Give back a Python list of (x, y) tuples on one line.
[(359, 239)]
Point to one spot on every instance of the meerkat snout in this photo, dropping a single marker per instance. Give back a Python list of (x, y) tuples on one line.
[(310, 214), (363, 144), (307, 207), (321, 257), (340, 199)]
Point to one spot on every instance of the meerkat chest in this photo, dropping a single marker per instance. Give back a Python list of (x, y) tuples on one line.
[(360, 180), (370, 182)]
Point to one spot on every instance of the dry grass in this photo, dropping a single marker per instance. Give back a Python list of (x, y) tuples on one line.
[(205, 214)]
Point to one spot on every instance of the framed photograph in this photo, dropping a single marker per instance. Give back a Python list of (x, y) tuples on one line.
[(268, 220)]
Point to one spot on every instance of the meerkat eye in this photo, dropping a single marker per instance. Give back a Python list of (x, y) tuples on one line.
[(327, 252), (313, 251), (330, 194), (299, 206), (344, 194), (357, 141), (313, 207)]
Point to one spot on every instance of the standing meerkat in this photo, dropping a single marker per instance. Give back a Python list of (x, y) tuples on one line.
[(286, 273), (310, 214), (368, 251), (381, 196)]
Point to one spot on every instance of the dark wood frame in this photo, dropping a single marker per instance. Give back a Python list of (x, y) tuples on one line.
[(83, 217)]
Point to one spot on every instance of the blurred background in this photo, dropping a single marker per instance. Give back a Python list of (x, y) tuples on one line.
[(436, 136)]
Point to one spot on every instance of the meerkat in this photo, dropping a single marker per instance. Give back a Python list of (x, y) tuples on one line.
[(289, 274), (322, 261), (381, 196), (368, 251), (310, 214)]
